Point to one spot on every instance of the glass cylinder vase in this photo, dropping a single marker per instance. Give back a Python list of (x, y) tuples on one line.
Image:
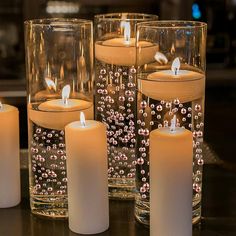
[(59, 64), (172, 84), (115, 95)]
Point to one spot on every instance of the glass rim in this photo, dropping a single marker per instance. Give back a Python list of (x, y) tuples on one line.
[(172, 24), (118, 16), (57, 22)]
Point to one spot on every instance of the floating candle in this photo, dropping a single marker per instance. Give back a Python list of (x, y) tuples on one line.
[(122, 51), (56, 113), (184, 85)]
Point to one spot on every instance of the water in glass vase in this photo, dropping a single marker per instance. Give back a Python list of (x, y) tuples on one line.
[(155, 113), (115, 106), (48, 180)]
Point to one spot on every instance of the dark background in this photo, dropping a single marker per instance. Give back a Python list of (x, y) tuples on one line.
[(220, 115), (219, 215)]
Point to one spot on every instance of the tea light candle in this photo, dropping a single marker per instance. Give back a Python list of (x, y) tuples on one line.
[(57, 113), (122, 51), (167, 85), (171, 160), (9, 156), (86, 150)]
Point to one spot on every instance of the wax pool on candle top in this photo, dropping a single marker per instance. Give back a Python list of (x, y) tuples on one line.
[(171, 158), (9, 156), (87, 177), (118, 52), (59, 105)]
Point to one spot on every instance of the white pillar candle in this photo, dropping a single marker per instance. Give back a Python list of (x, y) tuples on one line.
[(171, 159), (86, 150), (57, 113), (167, 85), (122, 51), (9, 156)]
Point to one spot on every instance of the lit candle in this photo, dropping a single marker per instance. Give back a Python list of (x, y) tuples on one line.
[(184, 85), (171, 159), (86, 150), (9, 156), (57, 113), (122, 51)]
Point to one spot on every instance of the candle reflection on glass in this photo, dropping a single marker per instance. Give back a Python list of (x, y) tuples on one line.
[(49, 92)]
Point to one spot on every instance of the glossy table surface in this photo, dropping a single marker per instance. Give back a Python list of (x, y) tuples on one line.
[(219, 211)]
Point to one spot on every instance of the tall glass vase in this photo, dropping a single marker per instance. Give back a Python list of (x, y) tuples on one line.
[(172, 84), (115, 95), (59, 64)]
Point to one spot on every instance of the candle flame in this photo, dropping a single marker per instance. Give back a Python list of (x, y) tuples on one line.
[(161, 58), (48, 70), (82, 119), (173, 124), (127, 32), (62, 72), (50, 84), (172, 50), (65, 93), (175, 66)]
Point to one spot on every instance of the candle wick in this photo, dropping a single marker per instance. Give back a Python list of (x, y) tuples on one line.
[(176, 71), (1, 106), (172, 129), (83, 123), (65, 101), (127, 40), (173, 124)]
